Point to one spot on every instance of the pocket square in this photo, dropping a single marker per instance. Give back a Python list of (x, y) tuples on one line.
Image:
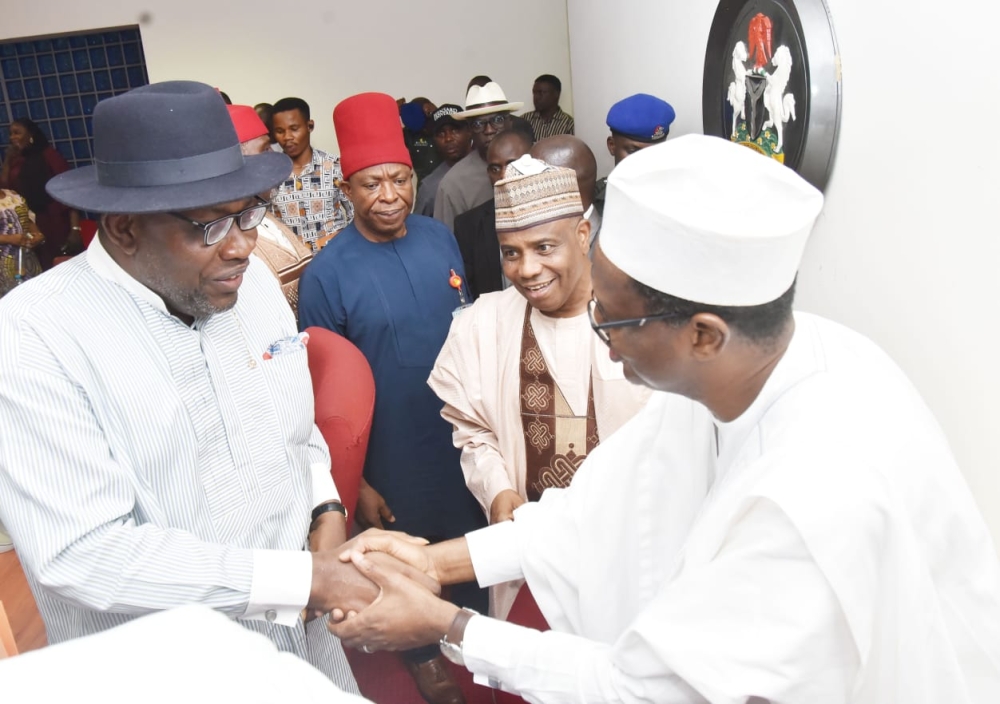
[(287, 344)]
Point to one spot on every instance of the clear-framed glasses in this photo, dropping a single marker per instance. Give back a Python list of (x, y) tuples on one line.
[(216, 230), (602, 328), (479, 124)]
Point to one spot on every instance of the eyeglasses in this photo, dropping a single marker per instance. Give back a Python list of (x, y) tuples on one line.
[(602, 328), (479, 124), (216, 230)]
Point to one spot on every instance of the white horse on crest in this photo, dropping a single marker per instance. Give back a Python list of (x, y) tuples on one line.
[(780, 107), (737, 94)]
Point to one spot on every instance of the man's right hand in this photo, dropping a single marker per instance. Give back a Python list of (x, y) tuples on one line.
[(338, 586), (372, 508), (502, 508), (405, 548)]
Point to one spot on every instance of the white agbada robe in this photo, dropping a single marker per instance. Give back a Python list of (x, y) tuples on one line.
[(477, 375), (830, 552)]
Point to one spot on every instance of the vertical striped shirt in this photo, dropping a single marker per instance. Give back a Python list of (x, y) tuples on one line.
[(561, 123), (146, 464)]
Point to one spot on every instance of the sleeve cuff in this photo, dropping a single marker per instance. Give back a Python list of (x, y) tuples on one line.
[(490, 648), (323, 488), (494, 480), (280, 588), (495, 555)]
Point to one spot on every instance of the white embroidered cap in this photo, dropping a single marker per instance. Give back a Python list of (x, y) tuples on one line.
[(709, 221)]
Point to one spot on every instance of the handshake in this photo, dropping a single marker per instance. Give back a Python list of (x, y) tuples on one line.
[(382, 590)]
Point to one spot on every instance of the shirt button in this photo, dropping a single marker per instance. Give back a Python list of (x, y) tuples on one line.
[(270, 615)]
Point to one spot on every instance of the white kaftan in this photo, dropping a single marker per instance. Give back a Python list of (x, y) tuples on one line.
[(827, 550)]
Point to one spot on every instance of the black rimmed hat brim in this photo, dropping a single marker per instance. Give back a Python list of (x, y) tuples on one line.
[(78, 188)]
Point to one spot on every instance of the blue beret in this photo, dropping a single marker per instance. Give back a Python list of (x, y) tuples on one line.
[(642, 117), (413, 116)]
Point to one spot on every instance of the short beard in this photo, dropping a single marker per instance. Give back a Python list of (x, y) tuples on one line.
[(189, 302)]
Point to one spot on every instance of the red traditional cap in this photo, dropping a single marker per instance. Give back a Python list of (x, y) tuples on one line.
[(247, 122), (369, 132)]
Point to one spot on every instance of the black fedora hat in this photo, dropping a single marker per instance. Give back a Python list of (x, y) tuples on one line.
[(166, 146)]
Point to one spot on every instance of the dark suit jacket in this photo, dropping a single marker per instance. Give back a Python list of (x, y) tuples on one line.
[(476, 233)]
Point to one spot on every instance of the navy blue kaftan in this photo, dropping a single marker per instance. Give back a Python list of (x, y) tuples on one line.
[(394, 302)]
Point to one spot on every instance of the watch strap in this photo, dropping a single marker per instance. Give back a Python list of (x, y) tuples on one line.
[(327, 507)]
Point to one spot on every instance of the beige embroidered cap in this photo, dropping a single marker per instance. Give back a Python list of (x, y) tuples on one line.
[(533, 193)]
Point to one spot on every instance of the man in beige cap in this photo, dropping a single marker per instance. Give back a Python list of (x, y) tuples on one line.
[(527, 386), (488, 113), (795, 530)]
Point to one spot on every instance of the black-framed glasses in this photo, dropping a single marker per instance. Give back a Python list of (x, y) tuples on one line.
[(602, 328), (216, 230), (479, 124)]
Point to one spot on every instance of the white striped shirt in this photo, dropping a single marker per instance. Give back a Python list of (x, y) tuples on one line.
[(146, 464)]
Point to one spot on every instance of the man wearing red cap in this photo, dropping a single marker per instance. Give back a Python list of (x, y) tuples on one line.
[(285, 255), (389, 283)]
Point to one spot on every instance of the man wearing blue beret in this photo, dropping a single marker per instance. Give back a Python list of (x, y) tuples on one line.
[(636, 122)]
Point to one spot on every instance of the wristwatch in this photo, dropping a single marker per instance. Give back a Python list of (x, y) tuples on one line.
[(451, 644)]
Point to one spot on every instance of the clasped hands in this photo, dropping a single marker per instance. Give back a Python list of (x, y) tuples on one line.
[(382, 591)]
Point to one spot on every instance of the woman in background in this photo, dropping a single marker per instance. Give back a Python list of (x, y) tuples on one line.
[(19, 235), (29, 164)]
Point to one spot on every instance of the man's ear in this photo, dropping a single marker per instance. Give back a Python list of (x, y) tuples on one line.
[(611, 146), (583, 235), (120, 232), (709, 336), (345, 187), (311, 125)]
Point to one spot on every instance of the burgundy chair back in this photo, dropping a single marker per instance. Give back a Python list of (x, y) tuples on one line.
[(345, 399)]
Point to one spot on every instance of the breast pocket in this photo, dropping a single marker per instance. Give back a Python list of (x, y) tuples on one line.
[(290, 383)]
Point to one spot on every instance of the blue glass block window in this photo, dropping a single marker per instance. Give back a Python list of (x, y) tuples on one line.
[(33, 88), (46, 64), (58, 82), (29, 66), (98, 59), (102, 80)]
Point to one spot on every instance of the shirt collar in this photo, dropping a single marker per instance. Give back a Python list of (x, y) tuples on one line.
[(101, 262)]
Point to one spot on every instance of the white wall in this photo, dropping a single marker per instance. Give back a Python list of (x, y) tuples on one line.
[(907, 249), (261, 51)]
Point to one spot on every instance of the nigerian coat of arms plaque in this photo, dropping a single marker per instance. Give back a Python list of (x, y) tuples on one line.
[(772, 82)]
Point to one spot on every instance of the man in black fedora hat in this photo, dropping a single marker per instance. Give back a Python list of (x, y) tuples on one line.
[(160, 446)]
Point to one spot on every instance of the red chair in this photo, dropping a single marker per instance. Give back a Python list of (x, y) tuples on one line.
[(344, 390), (524, 612), (88, 228), (345, 399)]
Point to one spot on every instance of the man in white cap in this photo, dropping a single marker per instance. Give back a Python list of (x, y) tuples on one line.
[(527, 385), (795, 530), (488, 113)]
